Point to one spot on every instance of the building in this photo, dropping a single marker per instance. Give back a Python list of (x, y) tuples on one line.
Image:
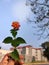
[(3, 52), (27, 53), (31, 54)]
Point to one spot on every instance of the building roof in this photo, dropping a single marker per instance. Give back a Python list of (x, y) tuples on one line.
[(37, 48), (19, 47), (26, 46)]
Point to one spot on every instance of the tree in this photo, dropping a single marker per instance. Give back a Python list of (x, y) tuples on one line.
[(0, 47), (45, 46), (40, 10)]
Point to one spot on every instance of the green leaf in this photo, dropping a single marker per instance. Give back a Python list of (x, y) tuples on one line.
[(7, 40), (15, 54), (14, 32), (16, 42), (20, 40)]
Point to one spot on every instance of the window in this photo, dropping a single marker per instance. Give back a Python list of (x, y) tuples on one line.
[(23, 50)]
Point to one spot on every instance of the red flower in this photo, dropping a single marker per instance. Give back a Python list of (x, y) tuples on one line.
[(15, 25)]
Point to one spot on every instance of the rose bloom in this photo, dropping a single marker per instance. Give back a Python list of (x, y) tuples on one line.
[(15, 25)]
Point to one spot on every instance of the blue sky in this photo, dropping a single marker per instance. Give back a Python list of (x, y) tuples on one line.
[(16, 10)]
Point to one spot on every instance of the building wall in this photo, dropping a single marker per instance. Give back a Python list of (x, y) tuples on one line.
[(27, 53), (3, 52), (19, 51), (44, 58), (38, 55), (30, 54), (33, 52)]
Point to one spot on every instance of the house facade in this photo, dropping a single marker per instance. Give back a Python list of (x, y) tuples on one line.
[(31, 54), (27, 53), (3, 53)]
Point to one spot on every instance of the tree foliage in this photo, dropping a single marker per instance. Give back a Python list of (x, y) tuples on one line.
[(45, 46), (40, 20), (40, 10)]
